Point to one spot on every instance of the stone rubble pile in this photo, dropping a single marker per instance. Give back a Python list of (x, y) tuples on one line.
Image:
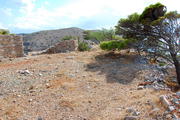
[(155, 80), (132, 114), (63, 46), (172, 104)]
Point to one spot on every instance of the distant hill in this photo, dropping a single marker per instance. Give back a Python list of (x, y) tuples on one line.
[(44, 39)]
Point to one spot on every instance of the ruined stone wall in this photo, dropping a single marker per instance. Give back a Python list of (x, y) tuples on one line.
[(11, 46), (63, 46)]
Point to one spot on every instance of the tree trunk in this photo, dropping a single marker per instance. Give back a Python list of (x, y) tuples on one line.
[(177, 67)]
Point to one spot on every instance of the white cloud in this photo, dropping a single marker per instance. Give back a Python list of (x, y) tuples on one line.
[(72, 13), (2, 26), (34, 20), (7, 11), (28, 6)]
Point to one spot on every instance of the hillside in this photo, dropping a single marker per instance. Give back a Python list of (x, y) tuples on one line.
[(44, 39)]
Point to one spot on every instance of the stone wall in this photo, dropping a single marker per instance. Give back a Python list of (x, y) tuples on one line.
[(11, 46), (63, 46)]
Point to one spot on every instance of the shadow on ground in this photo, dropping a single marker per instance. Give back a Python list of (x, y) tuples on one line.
[(117, 67)]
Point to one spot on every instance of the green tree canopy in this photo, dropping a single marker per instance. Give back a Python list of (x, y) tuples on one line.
[(153, 12), (156, 32)]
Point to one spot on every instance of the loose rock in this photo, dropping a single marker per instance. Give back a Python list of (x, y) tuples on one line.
[(140, 87)]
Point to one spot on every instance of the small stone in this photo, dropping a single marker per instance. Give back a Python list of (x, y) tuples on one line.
[(1, 82), (10, 59), (26, 58), (165, 113), (31, 91), (77, 71), (130, 110), (48, 57), (40, 118), (178, 93), (175, 100), (130, 118), (155, 111), (140, 87), (18, 95), (119, 108), (149, 86), (70, 57), (72, 75), (40, 74), (47, 85), (31, 87), (136, 113), (171, 108), (164, 101), (25, 72), (30, 100), (168, 116)]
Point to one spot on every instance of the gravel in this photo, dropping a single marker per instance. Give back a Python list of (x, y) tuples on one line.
[(87, 85)]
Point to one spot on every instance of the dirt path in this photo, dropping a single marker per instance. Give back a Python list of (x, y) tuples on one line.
[(74, 86)]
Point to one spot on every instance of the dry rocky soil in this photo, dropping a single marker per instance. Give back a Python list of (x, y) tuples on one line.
[(77, 86)]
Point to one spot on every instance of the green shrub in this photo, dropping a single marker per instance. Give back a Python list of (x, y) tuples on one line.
[(114, 45), (68, 38), (117, 37), (4, 32), (82, 46), (100, 35), (91, 35), (162, 64)]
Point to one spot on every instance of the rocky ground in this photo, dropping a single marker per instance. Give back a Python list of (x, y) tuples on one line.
[(78, 86)]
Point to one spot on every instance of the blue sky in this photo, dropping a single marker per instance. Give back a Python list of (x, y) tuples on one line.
[(26, 16)]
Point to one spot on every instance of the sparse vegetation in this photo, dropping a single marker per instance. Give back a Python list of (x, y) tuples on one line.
[(83, 46), (100, 35), (114, 44), (162, 64), (4, 32), (91, 35), (68, 38)]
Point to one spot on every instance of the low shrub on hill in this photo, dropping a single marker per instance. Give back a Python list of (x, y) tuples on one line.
[(100, 35), (82, 46), (114, 44), (68, 38), (4, 32)]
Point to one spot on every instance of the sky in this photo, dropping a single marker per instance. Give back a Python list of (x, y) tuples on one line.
[(26, 16)]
